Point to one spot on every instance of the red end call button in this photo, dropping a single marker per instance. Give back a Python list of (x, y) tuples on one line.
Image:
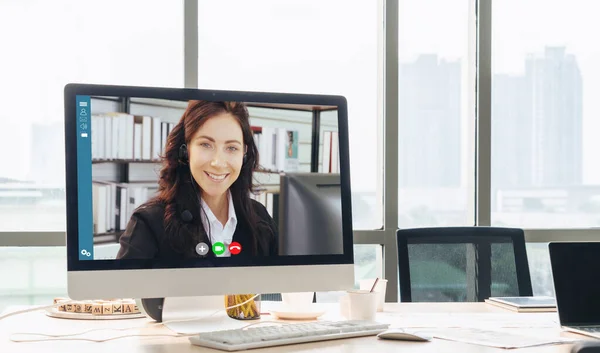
[(235, 248)]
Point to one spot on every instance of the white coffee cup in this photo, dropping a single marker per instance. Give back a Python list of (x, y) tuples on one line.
[(380, 288), (362, 304), (298, 300)]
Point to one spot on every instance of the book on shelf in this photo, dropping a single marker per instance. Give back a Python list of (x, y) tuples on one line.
[(291, 161), (525, 304), (330, 161), (114, 203), (277, 148), (121, 136)]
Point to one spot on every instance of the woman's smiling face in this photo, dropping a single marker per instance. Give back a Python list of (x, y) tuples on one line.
[(216, 153)]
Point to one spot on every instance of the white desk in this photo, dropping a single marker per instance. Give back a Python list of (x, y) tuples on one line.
[(398, 314)]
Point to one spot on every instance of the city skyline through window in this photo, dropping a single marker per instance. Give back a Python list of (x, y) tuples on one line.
[(544, 115)]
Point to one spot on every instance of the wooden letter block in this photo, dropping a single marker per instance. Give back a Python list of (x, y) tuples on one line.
[(70, 308), (133, 306), (87, 307), (107, 308), (97, 309), (128, 308), (117, 308), (78, 307)]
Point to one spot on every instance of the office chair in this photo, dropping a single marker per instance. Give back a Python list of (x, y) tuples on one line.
[(462, 264), (276, 297)]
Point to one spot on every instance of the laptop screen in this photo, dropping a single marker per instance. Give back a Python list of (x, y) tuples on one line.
[(576, 270)]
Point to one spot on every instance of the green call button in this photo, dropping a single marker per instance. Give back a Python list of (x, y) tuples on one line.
[(218, 248)]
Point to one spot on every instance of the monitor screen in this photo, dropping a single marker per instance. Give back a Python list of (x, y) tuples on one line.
[(181, 178)]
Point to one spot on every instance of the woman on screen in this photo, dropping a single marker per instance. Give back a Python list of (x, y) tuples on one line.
[(204, 192)]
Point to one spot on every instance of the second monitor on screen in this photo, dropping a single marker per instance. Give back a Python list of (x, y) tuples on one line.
[(310, 221)]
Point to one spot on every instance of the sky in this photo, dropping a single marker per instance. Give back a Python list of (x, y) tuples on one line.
[(293, 46)]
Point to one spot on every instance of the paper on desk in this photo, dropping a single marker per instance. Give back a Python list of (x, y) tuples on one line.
[(471, 320), (494, 338)]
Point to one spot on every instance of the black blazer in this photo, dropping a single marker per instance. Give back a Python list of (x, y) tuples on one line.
[(146, 237)]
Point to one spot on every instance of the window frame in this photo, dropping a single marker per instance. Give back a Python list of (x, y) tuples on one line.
[(388, 98)]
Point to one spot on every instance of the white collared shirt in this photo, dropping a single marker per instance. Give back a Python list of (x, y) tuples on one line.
[(217, 232)]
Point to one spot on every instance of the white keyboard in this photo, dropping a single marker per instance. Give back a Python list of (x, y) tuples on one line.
[(279, 335)]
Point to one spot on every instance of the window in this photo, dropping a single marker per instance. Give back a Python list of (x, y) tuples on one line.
[(436, 113), (368, 262), (545, 79), (32, 275), (303, 46), (538, 257), (126, 43)]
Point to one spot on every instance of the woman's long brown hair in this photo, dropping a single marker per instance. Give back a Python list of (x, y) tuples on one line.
[(175, 176)]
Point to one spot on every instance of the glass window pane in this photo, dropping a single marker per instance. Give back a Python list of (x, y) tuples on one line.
[(436, 113), (367, 262), (538, 257), (142, 45), (32, 276), (318, 47), (545, 114), (368, 265)]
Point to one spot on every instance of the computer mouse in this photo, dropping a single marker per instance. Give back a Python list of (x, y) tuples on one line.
[(401, 334)]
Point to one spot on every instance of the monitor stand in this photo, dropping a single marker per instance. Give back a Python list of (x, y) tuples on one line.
[(188, 315)]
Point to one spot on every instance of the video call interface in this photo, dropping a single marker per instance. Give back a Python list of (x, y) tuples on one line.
[(165, 179)]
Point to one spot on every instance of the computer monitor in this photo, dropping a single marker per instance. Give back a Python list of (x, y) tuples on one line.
[(311, 214), (181, 192)]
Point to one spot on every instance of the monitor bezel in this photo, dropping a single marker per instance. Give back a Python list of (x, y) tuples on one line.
[(73, 90)]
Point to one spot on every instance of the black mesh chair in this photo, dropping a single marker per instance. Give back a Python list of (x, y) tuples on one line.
[(462, 264), (276, 297)]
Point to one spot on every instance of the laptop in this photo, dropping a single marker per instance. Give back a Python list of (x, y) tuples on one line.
[(576, 274)]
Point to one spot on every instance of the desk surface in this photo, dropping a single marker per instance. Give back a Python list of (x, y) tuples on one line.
[(398, 314)]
